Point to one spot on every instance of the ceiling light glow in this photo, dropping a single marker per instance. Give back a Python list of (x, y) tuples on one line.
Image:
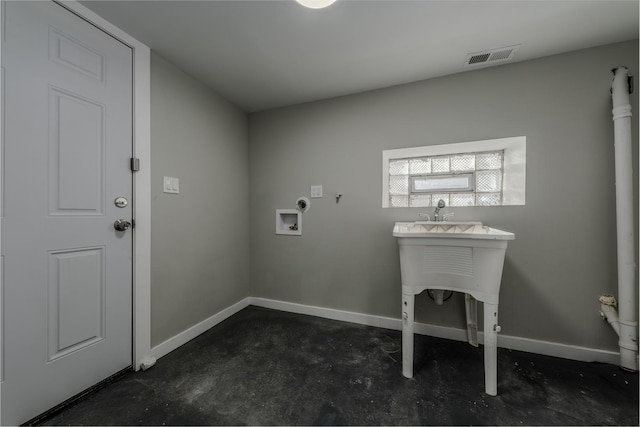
[(316, 4)]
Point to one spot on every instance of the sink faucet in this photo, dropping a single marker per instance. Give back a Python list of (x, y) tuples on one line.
[(436, 214)]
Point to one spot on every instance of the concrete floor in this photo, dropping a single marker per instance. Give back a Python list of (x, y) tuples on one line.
[(265, 367)]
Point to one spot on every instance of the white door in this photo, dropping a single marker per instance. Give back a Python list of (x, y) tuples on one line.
[(67, 285)]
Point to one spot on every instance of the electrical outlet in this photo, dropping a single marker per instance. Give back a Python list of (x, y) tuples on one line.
[(316, 191)]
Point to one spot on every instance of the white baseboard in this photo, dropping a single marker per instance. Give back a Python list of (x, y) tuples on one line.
[(565, 351), (547, 348), (328, 313), (189, 334)]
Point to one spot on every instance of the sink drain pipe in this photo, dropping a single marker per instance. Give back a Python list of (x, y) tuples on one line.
[(624, 317)]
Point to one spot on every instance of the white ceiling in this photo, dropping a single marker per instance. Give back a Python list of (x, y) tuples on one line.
[(266, 53)]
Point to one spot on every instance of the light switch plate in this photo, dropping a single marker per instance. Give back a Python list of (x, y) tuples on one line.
[(171, 185), (316, 191)]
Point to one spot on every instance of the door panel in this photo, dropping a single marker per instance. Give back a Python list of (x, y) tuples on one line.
[(75, 55), (76, 300), (77, 132), (67, 284)]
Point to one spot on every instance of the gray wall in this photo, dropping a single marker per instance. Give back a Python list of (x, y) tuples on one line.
[(200, 237), (564, 255)]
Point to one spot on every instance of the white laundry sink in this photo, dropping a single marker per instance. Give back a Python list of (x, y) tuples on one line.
[(456, 229), (457, 256)]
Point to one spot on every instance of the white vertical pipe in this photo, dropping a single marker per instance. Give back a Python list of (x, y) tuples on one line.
[(471, 312), (627, 290)]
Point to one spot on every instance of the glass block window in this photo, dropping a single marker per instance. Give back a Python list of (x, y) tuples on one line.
[(475, 173), (465, 179)]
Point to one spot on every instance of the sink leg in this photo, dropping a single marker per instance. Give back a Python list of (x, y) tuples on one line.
[(407, 334), (491, 330)]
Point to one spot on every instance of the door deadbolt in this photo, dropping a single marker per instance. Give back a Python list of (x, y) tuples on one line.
[(121, 202), (121, 225)]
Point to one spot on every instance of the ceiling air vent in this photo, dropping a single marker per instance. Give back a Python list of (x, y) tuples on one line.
[(501, 54)]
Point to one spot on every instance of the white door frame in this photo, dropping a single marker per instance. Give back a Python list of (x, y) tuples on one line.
[(141, 182)]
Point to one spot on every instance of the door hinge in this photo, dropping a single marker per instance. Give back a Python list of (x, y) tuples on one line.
[(135, 164)]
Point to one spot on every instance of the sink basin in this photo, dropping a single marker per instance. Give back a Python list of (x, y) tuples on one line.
[(455, 229), (457, 256)]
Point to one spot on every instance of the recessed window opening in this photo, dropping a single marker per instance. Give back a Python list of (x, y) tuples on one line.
[(479, 173)]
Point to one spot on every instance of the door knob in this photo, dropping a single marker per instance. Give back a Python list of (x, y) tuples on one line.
[(121, 225)]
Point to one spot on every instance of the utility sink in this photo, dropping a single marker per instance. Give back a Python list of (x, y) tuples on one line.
[(456, 256), (456, 229)]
